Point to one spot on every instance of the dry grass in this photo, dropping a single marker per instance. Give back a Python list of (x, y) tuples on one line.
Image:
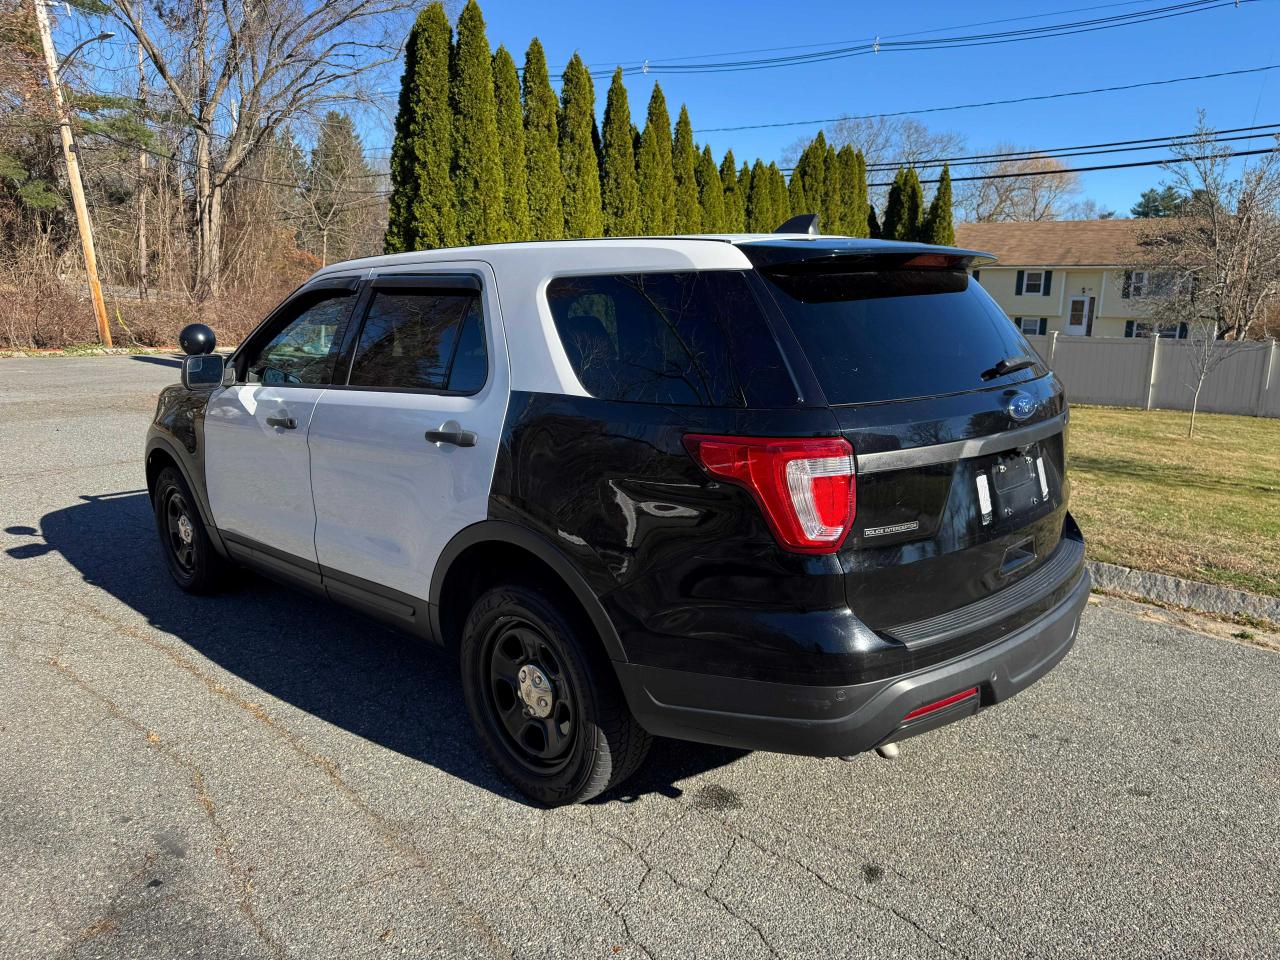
[(1207, 509)]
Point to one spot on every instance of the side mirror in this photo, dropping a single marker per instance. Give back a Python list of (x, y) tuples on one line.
[(203, 370)]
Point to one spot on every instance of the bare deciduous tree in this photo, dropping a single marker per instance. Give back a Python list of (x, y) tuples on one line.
[(1026, 187), (237, 70)]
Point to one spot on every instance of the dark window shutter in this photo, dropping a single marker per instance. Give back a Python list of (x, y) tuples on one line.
[(1124, 290), (1048, 279), (1017, 286), (1128, 328), (1182, 331), (1044, 325)]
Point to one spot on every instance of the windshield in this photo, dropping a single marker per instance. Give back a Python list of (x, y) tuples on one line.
[(877, 335)]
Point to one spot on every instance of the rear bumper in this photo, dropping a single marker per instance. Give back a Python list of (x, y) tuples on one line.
[(841, 720)]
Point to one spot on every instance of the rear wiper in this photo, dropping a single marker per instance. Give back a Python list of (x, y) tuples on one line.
[(1009, 365)]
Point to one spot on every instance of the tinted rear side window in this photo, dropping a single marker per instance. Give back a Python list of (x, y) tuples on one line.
[(898, 334), (422, 340), (695, 338)]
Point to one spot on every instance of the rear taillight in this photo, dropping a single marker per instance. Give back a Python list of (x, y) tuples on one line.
[(805, 486)]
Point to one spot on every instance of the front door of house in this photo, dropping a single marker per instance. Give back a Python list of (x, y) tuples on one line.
[(1079, 312)]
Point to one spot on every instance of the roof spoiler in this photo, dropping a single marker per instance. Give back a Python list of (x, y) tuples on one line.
[(801, 223)]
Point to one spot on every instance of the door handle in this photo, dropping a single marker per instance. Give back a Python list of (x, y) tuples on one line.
[(459, 438), (287, 422)]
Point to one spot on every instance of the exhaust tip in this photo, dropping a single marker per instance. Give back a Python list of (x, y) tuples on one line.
[(888, 750)]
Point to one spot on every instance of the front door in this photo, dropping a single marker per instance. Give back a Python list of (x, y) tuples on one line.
[(256, 462), (403, 453), (1078, 318)]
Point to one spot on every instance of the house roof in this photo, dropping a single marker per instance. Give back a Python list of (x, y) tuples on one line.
[(1055, 243)]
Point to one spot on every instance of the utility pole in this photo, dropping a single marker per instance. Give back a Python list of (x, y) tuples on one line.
[(142, 186), (73, 175)]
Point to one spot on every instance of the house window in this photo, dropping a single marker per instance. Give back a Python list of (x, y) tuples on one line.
[(1032, 326), (1138, 281), (1171, 330), (1034, 282)]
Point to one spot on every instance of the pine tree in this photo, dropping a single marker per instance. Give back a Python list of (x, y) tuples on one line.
[(541, 147), (846, 200), (759, 207), (684, 164), (860, 204), (939, 226), (423, 208), (913, 206), (710, 194), (619, 193), (797, 200), (894, 226), (477, 164), (832, 204), (515, 184), (654, 170), (734, 214), (336, 224), (582, 215), (809, 181)]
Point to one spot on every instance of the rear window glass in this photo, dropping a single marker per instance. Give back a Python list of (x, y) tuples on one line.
[(696, 339), (898, 334)]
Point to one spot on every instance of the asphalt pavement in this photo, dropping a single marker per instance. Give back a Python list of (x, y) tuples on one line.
[(262, 774)]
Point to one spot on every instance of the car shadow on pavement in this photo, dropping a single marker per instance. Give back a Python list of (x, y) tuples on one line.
[(354, 673), (160, 361)]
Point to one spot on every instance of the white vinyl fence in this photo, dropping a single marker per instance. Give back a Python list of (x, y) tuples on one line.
[(1159, 372)]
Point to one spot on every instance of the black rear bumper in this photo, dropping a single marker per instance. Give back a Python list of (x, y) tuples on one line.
[(841, 720)]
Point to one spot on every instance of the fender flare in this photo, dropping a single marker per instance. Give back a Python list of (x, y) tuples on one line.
[(162, 444), (500, 531)]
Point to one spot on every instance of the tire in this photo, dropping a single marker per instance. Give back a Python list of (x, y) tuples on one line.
[(588, 742), (189, 554)]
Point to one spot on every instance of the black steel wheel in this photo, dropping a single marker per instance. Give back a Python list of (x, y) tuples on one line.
[(544, 699), (190, 556)]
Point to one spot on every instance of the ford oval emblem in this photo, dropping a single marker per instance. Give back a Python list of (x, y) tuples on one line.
[(1022, 406)]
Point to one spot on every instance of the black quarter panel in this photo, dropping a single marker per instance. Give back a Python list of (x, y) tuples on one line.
[(178, 430), (686, 568)]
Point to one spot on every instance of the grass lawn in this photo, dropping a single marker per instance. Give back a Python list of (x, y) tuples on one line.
[(1207, 509)]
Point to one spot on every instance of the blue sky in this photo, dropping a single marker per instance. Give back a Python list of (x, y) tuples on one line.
[(1227, 38)]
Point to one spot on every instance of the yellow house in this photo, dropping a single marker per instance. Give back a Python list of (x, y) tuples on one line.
[(1075, 277)]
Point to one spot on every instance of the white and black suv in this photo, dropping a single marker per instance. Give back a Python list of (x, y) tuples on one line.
[(785, 492)]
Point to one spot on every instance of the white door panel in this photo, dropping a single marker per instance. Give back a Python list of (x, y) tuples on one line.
[(258, 473), (387, 499)]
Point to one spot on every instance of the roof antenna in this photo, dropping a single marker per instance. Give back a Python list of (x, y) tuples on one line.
[(801, 223)]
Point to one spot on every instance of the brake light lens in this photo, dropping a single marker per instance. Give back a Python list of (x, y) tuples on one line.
[(805, 486)]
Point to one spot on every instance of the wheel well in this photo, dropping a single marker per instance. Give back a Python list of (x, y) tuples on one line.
[(489, 564), (157, 460)]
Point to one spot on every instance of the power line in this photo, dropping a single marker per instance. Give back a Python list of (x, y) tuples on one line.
[(1120, 146), (991, 103)]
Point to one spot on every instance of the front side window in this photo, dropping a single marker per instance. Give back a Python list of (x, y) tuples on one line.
[(302, 352), (1034, 282), (694, 339), (422, 340)]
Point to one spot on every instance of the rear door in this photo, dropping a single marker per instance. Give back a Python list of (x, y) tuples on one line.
[(957, 429), (403, 447)]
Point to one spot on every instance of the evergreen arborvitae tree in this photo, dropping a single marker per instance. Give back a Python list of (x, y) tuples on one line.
[(582, 215), (874, 230), (477, 163), (684, 164), (619, 193), (654, 171), (839, 195), (939, 227), (710, 194), (734, 212), (423, 209), (542, 148), (894, 226), (759, 198), (781, 199), (515, 184), (832, 203), (862, 212), (913, 206), (809, 181), (797, 199)]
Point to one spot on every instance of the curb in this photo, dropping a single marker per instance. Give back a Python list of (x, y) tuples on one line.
[(1189, 594)]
